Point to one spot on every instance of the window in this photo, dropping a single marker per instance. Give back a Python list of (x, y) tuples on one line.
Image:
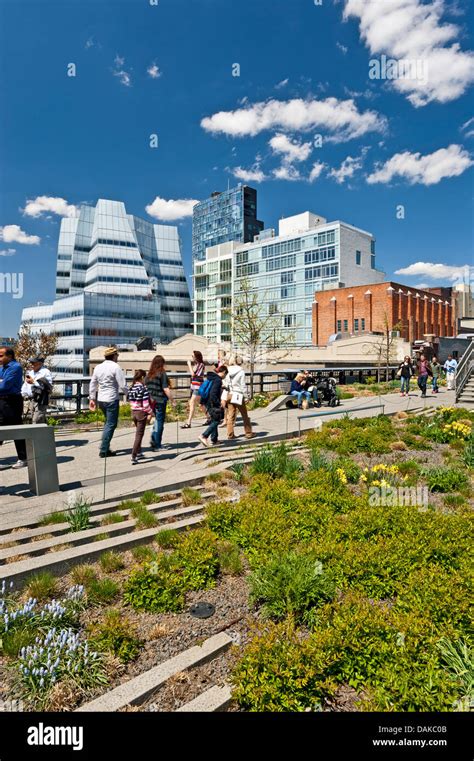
[(287, 277), (339, 326), (356, 325), (346, 326), (286, 247), (282, 262), (272, 308), (358, 257), (289, 320), (362, 323), (372, 261), (372, 247), (247, 269), (288, 292)]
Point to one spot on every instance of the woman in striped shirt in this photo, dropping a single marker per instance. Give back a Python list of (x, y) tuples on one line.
[(139, 399), (197, 370)]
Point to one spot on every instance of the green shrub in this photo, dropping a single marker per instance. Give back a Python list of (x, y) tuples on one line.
[(230, 561), (102, 590), (143, 517), (196, 556), (115, 634), (458, 658), (238, 469), (150, 498), (112, 518), (78, 514), (42, 585), (110, 561), (167, 538), (83, 574), (223, 518), (468, 453), (351, 469), (190, 497), (348, 436), (155, 588), (53, 518), (275, 461), (318, 461), (445, 479), (143, 552), (290, 583)]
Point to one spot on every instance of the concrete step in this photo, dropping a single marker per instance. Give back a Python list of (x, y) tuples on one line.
[(137, 690), (214, 699)]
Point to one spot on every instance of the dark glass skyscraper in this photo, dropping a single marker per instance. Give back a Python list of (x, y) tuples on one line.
[(226, 216)]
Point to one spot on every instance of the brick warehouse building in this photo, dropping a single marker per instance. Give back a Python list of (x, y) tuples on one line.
[(364, 309)]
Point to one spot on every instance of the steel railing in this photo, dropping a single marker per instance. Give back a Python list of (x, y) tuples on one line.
[(464, 369)]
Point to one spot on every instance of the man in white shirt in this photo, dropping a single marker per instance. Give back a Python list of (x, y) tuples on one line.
[(450, 367), (36, 389), (237, 391), (107, 383)]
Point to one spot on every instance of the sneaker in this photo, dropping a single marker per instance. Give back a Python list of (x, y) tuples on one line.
[(249, 435), (19, 464), (204, 441), (135, 461), (141, 456), (107, 454)]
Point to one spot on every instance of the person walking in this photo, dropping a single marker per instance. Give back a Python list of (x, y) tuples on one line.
[(450, 367), (212, 399), (11, 400), (404, 372), (298, 389), (36, 389), (159, 390), (139, 399), (107, 383), (236, 395), (197, 369), (424, 371), (436, 370)]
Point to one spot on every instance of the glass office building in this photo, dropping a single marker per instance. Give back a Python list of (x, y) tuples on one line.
[(119, 278), (226, 216)]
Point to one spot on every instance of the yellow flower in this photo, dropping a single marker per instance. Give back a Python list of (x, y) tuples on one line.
[(342, 476)]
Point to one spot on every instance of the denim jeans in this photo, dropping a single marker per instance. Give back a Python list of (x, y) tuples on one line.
[(434, 383), (212, 431), (422, 381), (301, 395), (405, 385), (159, 424), (111, 412)]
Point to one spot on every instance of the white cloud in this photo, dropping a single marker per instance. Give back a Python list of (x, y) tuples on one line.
[(465, 128), (425, 170), (42, 204), (342, 48), (8, 252), (435, 271), (169, 211), (341, 118), (254, 174), (286, 172), (119, 72), (347, 169), (14, 234), (413, 30), (282, 84), (153, 71), (318, 167), (291, 150)]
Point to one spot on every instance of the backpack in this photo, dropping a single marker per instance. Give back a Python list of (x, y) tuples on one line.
[(204, 391)]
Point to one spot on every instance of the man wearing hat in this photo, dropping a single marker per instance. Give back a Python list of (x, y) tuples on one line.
[(37, 388), (107, 383)]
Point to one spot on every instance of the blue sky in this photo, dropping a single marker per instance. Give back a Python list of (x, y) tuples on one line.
[(304, 71)]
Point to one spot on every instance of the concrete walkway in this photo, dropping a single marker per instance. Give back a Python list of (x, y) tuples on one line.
[(81, 469)]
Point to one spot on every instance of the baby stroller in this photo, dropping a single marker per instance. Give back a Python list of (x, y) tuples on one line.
[(326, 390)]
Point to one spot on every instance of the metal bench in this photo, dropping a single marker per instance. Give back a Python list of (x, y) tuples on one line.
[(338, 411), (40, 453)]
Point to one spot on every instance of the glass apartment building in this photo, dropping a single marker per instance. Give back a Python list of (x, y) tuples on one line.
[(119, 278), (309, 254), (226, 216)]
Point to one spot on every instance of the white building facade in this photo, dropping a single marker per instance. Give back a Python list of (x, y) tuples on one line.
[(309, 254)]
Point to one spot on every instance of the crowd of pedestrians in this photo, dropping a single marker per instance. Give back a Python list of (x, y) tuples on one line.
[(426, 370)]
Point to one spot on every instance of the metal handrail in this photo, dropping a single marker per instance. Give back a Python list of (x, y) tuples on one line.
[(464, 369)]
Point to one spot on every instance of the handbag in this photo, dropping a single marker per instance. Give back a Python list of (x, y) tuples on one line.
[(399, 373), (236, 398)]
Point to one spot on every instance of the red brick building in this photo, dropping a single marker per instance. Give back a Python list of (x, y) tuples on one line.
[(365, 308)]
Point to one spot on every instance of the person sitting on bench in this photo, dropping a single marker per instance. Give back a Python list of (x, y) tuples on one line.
[(298, 389)]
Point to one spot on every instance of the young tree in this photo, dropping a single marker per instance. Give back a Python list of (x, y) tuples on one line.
[(29, 344), (254, 331), (385, 345)]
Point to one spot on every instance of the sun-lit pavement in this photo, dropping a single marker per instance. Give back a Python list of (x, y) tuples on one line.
[(80, 467)]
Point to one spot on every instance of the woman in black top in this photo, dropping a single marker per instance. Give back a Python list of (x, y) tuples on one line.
[(405, 371), (158, 387)]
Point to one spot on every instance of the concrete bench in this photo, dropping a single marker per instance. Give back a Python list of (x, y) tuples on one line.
[(40, 453)]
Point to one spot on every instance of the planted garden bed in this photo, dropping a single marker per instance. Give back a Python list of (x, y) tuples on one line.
[(333, 602)]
